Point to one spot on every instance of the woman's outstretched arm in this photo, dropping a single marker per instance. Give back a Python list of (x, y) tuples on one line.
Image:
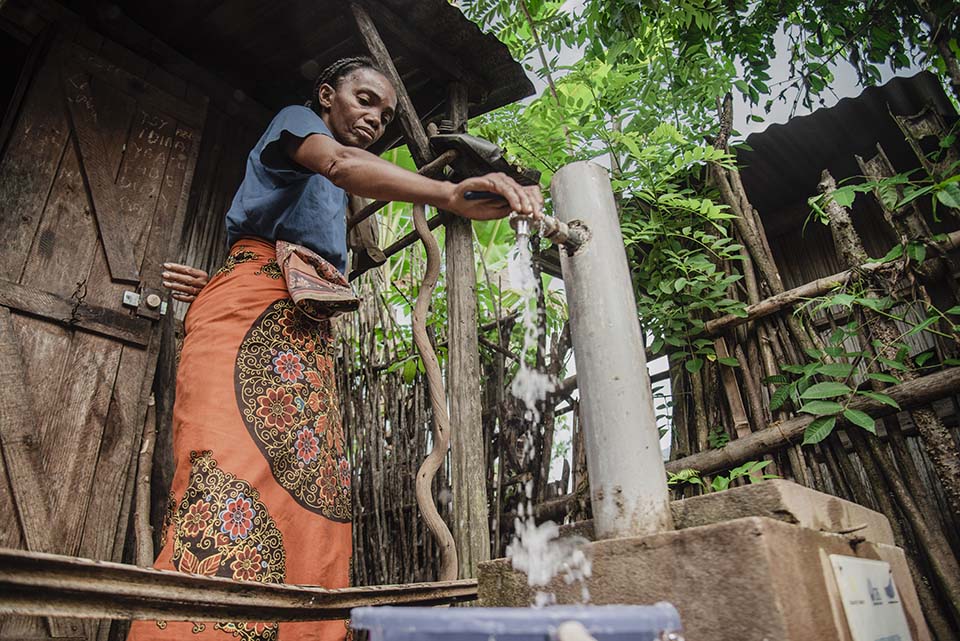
[(364, 174)]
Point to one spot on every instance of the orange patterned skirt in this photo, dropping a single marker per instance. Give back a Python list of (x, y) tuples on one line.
[(261, 490)]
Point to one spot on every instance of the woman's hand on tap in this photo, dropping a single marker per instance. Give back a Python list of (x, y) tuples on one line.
[(526, 201)]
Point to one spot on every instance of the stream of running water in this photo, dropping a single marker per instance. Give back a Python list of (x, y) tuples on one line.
[(537, 550)]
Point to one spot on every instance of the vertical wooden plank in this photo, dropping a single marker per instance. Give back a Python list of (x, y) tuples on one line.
[(118, 444), (471, 529), (45, 346), (20, 442), (28, 168), (167, 228), (71, 442), (66, 241), (10, 531)]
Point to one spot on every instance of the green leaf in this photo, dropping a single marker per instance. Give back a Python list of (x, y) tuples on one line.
[(861, 419), (819, 429), (844, 196), (922, 359), (720, 483), (953, 310), (922, 326), (829, 389), (836, 370), (729, 361), (883, 377), (892, 364), (694, 365), (841, 299), (409, 371), (780, 397), (950, 195), (917, 251), (893, 254), (880, 398), (821, 408)]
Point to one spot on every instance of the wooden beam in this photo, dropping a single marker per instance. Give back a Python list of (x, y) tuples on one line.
[(403, 243), (815, 288), (73, 312), (735, 401), (35, 584), (93, 156), (409, 121)]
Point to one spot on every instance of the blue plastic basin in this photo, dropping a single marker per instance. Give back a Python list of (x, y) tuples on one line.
[(604, 622)]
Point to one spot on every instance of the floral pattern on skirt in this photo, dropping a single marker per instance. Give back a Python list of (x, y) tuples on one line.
[(287, 397)]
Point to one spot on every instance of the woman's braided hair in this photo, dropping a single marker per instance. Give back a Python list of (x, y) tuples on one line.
[(336, 70)]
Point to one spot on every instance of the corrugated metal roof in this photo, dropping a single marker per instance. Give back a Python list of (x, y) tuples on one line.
[(273, 50), (786, 160)]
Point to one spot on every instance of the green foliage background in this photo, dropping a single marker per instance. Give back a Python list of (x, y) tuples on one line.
[(641, 96)]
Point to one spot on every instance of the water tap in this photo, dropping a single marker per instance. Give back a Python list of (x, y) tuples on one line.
[(571, 237), (522, 225)]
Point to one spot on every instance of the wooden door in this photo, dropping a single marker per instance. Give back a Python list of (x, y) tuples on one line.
[(93, 189)]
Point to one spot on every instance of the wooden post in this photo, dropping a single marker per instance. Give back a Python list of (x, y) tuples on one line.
[(413, 129), (471, 528), (470, 525)]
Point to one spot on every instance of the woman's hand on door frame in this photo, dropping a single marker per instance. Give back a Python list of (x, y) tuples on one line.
[(183, 281)]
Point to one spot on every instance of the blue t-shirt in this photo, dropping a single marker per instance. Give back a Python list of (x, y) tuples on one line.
[(280, 200)]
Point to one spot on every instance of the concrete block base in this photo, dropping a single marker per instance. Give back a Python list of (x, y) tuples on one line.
[(747, 579), (776, 499)]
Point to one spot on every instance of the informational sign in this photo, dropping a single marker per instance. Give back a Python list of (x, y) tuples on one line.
[(871, 601)]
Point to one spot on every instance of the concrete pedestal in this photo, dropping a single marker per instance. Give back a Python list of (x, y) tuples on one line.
[(753, 578)]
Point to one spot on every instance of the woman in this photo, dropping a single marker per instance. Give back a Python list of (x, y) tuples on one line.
[(261, 488)]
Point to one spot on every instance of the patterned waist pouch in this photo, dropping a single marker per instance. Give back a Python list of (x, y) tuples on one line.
[(315, 285)]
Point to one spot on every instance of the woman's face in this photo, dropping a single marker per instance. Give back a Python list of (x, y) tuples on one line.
[(359, 109)]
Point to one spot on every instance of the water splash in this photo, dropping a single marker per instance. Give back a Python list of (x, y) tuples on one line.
[(530, 386), (540, 553), (537, 550)]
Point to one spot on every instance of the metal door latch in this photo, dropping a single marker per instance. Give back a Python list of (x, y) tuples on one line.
[(151, 304)]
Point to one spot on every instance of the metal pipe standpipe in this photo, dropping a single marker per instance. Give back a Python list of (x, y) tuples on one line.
[(628, 482)]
